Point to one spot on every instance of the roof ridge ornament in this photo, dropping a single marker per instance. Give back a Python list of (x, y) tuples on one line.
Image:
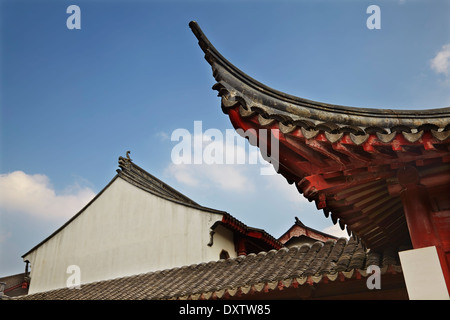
[(298, 222), (125, 163)]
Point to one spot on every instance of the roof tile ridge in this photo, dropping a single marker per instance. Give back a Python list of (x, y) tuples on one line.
[(309, 257), (344, 260), (329, 264), (321, 256), (146, 179)]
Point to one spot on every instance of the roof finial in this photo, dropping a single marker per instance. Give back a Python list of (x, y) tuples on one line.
[(125, 163), (298, 222)]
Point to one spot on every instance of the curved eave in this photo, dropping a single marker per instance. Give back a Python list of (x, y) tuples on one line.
[(345, 159), (236, 87)]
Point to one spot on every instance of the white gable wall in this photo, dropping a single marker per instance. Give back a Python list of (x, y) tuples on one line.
[(126, 231)]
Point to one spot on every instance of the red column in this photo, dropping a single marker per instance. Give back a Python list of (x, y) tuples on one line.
[(241, 249), (417, 209)]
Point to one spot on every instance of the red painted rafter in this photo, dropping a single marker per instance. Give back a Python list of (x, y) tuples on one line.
[(337, 171)]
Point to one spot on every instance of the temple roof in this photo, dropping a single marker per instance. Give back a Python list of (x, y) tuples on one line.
[(257, 239), (352, 162), (276, 270), (236, 87), (299, 229)]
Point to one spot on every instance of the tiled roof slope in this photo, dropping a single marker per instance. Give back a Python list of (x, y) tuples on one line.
[(334, 260), (144, 180)]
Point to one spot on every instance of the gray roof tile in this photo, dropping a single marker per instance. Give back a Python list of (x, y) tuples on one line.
[(254, 98), (286, 267)]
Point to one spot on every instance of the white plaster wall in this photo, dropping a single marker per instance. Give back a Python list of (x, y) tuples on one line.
[(126, 231), (223, 240), (423, 274)]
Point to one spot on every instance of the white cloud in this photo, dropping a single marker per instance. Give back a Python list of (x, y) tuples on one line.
[(213, 159), (222, 176), (5, 236), (34, 195), (335, 230), (279, 184), (163, 136), (184, 173), (441, 62), (212, 147)]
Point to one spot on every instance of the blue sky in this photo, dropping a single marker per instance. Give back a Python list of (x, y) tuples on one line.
[(73, 101)]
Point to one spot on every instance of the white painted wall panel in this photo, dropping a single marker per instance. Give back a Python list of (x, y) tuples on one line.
[(126, 231), (423, 274)]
